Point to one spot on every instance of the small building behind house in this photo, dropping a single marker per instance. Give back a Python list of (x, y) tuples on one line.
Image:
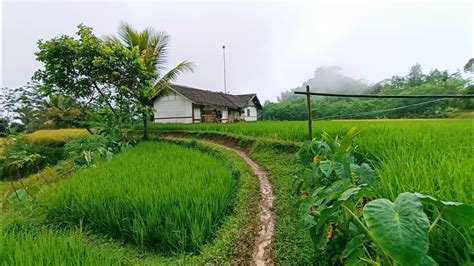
[(183, 104)]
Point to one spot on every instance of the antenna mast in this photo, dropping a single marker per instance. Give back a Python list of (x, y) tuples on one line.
[(225, 85)]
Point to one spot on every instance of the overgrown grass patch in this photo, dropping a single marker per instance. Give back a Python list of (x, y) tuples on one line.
[(19, 247), (157, 195), (56, 137)]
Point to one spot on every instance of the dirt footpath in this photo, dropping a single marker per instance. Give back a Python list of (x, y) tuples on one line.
[(262, 249)]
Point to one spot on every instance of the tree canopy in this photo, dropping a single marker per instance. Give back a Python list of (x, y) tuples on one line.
[(293, 107)]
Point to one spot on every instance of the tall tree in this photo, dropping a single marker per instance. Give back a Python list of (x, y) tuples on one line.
[(469, 66), (416, 76), (94, 71), (153, 47)]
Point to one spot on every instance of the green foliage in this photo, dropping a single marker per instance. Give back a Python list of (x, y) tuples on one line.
[(153, 48), (4, 125), (85, 151), (431, 156), (341, 211), (147, 196), (291, 244), (15, 165), (100, 73), (293, 107), (400, 228)]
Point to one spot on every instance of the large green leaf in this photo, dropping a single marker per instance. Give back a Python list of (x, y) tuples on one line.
[(353, 245), (18, 196), (326, 167), (400, 228), (455, 212), (364, 172), (343, 164)]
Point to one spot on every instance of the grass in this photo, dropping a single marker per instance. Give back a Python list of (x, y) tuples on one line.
[(232, 244), (291, 242), (56, 137), (147, 196), (429, 156), (18, 247), (432, 156)]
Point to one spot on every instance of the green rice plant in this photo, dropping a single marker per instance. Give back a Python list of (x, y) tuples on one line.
[(19, 247), (158, 195), (433, 156), (56, 137), (430, 156)]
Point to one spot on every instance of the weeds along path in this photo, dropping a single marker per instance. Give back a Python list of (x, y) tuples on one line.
[(262, 250)]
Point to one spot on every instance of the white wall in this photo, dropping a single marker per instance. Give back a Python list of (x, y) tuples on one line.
[(250, 112), (253, 113), (173, 108), (197, 114)]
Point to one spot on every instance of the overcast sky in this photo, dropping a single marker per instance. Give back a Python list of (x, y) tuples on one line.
[(270, 47)]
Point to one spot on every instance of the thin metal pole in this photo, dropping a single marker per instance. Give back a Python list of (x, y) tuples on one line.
[(310, 119), (225, 82)]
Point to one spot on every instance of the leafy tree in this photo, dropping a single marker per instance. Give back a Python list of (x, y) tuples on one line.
[(61, 112), (96, 72), (152, 47), (469, 66), (328, 79), (292, 107), (3, 126), (416, 76)]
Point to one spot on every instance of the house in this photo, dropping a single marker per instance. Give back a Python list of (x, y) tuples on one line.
[(182, 104)]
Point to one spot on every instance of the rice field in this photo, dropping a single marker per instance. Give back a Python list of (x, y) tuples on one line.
[(56, 136), (433, 156), (158, 196), (48, 248)]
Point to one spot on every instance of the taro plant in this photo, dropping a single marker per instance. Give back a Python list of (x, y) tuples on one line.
[(15, 162), (349, 225)]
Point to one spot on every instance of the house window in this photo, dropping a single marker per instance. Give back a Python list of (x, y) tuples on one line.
[(248, 112)]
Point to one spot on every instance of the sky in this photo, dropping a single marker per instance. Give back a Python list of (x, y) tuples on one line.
[(270, 46)]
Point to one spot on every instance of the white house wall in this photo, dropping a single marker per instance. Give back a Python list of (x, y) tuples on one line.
[(197, 114), (173, 108), (252, 116)]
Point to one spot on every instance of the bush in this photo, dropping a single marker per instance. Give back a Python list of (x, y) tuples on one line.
[(87, 149), (48, 156)]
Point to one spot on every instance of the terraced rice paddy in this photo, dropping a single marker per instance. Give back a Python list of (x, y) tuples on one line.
[(158, 196), (430, 156), (48, 248)]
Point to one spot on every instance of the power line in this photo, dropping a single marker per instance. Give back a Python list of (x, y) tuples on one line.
[(385, 96), (381, 111)]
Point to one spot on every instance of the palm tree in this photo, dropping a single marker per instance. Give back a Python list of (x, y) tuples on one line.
[(153, 47)]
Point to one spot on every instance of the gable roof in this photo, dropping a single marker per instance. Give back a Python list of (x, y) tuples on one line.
[(207, 97)]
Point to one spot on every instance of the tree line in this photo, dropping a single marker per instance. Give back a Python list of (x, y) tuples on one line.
[(330, 79), (92, 82)]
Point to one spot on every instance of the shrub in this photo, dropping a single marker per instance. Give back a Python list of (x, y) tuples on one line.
[(348, 225), (48, 156), (85, 150)]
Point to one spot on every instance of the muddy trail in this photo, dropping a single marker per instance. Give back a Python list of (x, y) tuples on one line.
[(262, 250)]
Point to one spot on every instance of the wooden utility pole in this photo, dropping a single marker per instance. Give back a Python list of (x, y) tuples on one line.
[(310, 118)]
